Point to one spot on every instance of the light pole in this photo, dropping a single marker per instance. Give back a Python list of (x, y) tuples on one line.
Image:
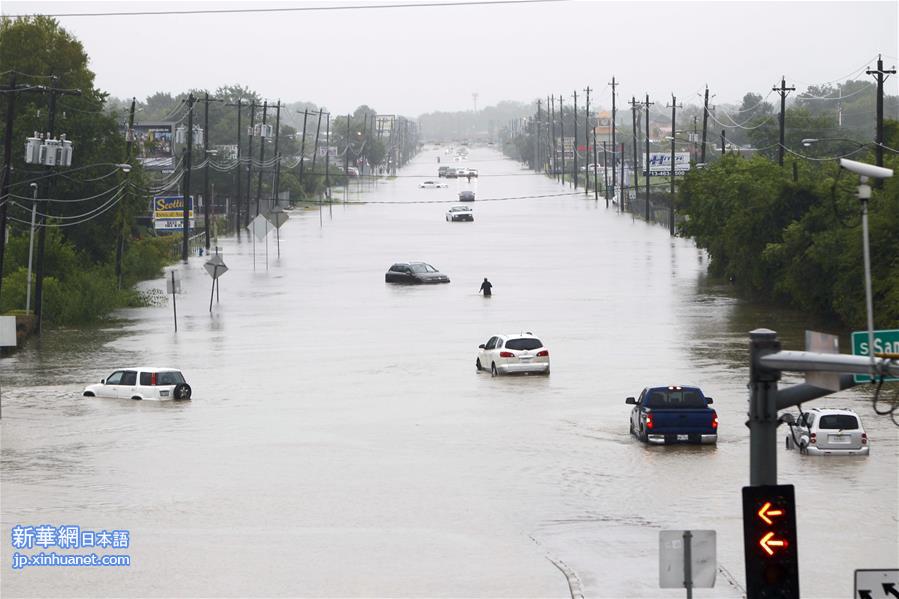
[(31, 247)]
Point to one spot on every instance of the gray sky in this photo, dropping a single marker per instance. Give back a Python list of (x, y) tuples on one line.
[(415, 60)]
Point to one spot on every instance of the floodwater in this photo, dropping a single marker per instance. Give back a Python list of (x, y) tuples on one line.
[(340, 442)]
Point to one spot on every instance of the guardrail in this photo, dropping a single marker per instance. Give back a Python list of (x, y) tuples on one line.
[(194, 243)]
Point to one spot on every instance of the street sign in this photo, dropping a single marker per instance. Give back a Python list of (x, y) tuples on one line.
[(673, 550), (770, 542), (277, 217), (172, 285), (215, 266), (822, 343), (259, 226), (7, 331), (885, 342), (876, 584)]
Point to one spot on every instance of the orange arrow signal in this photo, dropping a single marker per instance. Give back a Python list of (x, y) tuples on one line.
[(765, 512), (767, 543)]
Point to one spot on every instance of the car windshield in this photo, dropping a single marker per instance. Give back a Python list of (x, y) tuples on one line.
[(844, 422), (675, 399), (525, 343), (169, 378), (420, 268)]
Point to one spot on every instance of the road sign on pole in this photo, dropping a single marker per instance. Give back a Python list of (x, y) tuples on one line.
[(876, 584), (687, 559), (885, 342)]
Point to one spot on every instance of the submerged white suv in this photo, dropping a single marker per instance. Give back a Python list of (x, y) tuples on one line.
[(826, 431), (508, 354), (142, 382)]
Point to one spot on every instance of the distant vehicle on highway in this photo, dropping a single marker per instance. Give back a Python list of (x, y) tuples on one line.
[(431, 185), (520, 353), (441, 171), (352, 171), (450, 173), (414, 273), (828, 431), (466, 196), (142, 382), (673, 414), (460, 213)]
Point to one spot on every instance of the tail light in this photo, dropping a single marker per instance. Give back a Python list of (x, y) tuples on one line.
[(649, 421), (813, 437), (864, 438), (714, 420), (506, 354), (153, 379), (543, 353)]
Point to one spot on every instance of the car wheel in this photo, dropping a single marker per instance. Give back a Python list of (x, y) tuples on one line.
[(137, 397), (789, 443), (803, 448), (643, 436), (182, 391), (493, 370), (630, 428), (477, 364), (89, 394)]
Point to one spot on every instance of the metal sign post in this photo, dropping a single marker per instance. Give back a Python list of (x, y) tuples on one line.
[(215, 266), (687, 559), (173, 286)]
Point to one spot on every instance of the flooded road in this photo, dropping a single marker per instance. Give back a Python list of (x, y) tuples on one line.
[(340, 442)]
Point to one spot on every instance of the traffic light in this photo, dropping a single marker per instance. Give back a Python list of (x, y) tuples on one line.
[(770, 542)]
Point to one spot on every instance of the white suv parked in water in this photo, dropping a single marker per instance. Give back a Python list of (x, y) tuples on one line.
[(142, 382), (825, 431), (508, 354)]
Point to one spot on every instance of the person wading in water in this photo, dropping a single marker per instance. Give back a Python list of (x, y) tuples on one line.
[(486, 287)]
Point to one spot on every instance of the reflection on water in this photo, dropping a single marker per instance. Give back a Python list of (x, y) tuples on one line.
[(341, 442)]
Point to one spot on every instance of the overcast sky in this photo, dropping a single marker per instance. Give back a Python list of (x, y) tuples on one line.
[(415, 60)]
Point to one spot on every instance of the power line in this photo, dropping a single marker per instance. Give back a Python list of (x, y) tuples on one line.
[(291, 9)]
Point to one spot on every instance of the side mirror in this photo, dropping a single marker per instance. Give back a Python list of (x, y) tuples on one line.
[(481, 346), (630, 401), (709, 400)]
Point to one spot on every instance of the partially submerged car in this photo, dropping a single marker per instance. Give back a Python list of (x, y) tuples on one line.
[(466, 196), (673, 414), (431, 185), (520, 353), (414, 273), (828, 431), (142, 382), (463, 213)]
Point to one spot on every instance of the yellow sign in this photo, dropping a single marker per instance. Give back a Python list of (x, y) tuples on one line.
[(173, 214)]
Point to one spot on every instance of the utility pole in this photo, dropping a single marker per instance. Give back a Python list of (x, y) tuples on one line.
[(782, 90), (346, 155), (574, 142), (674, 108), (277, 182), (42, 234), (552, 108), (695, 136), (206, 195), (614, 147), (562, 135), (605, 172), (262, 136), (188, 164), (705, 121), (621, 180), (237, 170), (250, 134), (318, 128), (723, 146), (120, 238), (595, 167), (328, 160), (634, 120), (646, 106), (587, 143), (878, 140), (537, 136), (303, 146)]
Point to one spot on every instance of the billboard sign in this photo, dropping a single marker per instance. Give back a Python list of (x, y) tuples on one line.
[(660, 163), (168, 212), (155, 145), (603, 124)]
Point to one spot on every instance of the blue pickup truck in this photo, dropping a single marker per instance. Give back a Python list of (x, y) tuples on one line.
[(673, 414)]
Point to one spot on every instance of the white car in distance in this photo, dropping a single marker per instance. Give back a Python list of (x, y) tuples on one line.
[(828, 431), (512, 354), (432, 185), (142, 382)]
